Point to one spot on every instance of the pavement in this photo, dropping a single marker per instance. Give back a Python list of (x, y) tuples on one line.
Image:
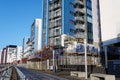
[(66, 74), (47, 75)]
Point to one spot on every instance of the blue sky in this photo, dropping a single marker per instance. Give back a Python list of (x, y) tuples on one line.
[(16, 17)]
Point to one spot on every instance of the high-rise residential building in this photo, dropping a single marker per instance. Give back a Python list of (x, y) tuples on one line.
[(36, 35), (67, 24), (77, 18), (33, 44)]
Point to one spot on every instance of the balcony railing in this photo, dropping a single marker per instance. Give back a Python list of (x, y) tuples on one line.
[(80, 10), (78, 26), (80, 18), (56, 15), (80, 2), (52, 34), (53, 16), (56, 6), (51, 25), (80, 35), (5, 73), (54, 24), (51, 7)]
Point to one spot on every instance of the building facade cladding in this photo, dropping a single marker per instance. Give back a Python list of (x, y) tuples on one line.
[(72, 17)]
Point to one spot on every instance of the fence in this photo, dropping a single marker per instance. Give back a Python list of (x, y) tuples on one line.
[(5, 73)]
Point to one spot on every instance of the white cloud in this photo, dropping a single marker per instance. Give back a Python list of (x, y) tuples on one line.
[(110, 18)]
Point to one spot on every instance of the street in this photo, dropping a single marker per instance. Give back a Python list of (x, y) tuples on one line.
[(37, 75)]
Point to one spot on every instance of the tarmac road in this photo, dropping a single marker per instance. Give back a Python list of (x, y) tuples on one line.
[(37, 75)]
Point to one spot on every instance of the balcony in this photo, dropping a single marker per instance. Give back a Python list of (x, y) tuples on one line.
[(30, 43), (54, 34), (56, 16), (53, 25), (57, 24), (51, 8), (51, 34), (57, 6), (80, 18), (80, 11), (80, 35), (82, 27), (80, 2)]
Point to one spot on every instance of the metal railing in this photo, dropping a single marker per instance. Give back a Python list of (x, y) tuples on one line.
[(21, 75), (5, 73)]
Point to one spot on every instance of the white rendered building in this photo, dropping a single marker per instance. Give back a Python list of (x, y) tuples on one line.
[(11, 53), (36, 35), (19, 52)]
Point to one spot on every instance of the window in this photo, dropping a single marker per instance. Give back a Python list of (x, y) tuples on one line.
[(58, 13), (72, 22), (58, 31), (89, 5), (90, 33), (72, 30), (57, 40), (72, 13), (58, 22), (72, 4), (89, 12), (89, 19)]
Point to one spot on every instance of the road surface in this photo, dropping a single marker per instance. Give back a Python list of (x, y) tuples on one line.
[(37, 75)]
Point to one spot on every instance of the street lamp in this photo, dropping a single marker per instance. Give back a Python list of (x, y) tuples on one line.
[(85, 54), (85, 43), (54, 68)]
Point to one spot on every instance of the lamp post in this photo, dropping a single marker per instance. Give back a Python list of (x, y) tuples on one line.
[(85, 45), (54, 68)]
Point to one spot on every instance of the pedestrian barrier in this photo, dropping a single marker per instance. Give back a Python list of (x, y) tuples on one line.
[(5, 73)]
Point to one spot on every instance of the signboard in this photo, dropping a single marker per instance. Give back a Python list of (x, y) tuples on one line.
[(80, 48), (90, 49)]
